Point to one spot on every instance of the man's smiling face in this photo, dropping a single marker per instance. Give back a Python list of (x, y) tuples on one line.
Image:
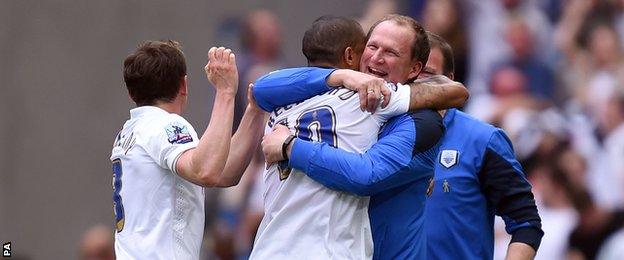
[(388, 53)]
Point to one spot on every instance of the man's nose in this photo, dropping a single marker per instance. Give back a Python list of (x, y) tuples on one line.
[(377, 57)]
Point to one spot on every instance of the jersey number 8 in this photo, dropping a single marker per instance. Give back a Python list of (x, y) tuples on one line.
[(117, 202)]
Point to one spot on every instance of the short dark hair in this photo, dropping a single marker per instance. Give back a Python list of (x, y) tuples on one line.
[(435, 41), (420, 46), (329, 36), (154, 72)]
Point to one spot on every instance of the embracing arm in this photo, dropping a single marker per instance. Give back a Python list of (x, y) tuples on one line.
[(402, 155), (287, 86), (437, 92)]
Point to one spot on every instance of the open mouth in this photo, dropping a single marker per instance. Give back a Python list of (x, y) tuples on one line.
[(377, 72)]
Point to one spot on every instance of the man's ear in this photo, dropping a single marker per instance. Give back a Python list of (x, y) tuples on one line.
[(183, 86), (415, 70), (349, 57), (451, 76)]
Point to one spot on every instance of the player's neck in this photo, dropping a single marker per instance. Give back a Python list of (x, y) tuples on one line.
[(171, 107), (322, 64)]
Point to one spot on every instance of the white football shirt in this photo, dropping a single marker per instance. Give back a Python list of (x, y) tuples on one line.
[(159, 215), (303, 219)]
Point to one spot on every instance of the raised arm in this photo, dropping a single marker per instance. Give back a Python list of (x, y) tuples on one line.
[(244, 142), (204, 164), (403, 154)]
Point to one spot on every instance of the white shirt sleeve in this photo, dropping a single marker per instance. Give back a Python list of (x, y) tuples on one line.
[(399, 102), (169, 139)]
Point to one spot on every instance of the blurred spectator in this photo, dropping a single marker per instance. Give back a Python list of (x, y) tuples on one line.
[(558, 215), (97, 244), (594, 227), (486, 22), (509, 92), (540, 77), (261, 43), (593, 54), (443, 18), (613, 248), (593, 70), (375, 10), (609, 160)]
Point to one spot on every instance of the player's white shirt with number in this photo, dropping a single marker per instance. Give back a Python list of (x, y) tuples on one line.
[(163, 214), (305, 220)]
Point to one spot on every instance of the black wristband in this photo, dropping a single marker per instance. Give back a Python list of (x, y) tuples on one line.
[(287, 142)]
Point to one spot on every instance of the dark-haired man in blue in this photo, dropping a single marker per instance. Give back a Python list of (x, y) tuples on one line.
[(476, 177)]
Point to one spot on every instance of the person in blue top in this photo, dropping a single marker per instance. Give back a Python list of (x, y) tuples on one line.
[(398, 169), (477, 177)]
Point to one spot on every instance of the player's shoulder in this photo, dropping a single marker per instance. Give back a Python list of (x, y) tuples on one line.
[(170, 124), (478, 126), (419, 116), (487, 133)]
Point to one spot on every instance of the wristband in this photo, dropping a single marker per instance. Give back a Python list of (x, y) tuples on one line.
[(287, 142)]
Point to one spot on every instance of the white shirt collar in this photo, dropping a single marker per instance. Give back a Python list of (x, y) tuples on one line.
[(144, 110)]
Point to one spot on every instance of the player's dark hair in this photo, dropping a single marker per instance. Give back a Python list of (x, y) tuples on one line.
[(154, 72), (420, 46), (435, 41), (329, 36)]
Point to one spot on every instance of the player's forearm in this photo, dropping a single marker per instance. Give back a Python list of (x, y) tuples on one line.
[(243, 146), (341, 170), (212, 151), (361, 174), (437, 92), (520, 251)]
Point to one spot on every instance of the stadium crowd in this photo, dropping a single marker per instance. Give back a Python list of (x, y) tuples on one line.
[(548, 72)]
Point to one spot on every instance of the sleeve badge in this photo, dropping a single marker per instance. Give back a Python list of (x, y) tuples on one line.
[(178, 133)]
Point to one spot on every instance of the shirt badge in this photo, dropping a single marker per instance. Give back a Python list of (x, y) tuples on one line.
[(448, 158), (178, 133)]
